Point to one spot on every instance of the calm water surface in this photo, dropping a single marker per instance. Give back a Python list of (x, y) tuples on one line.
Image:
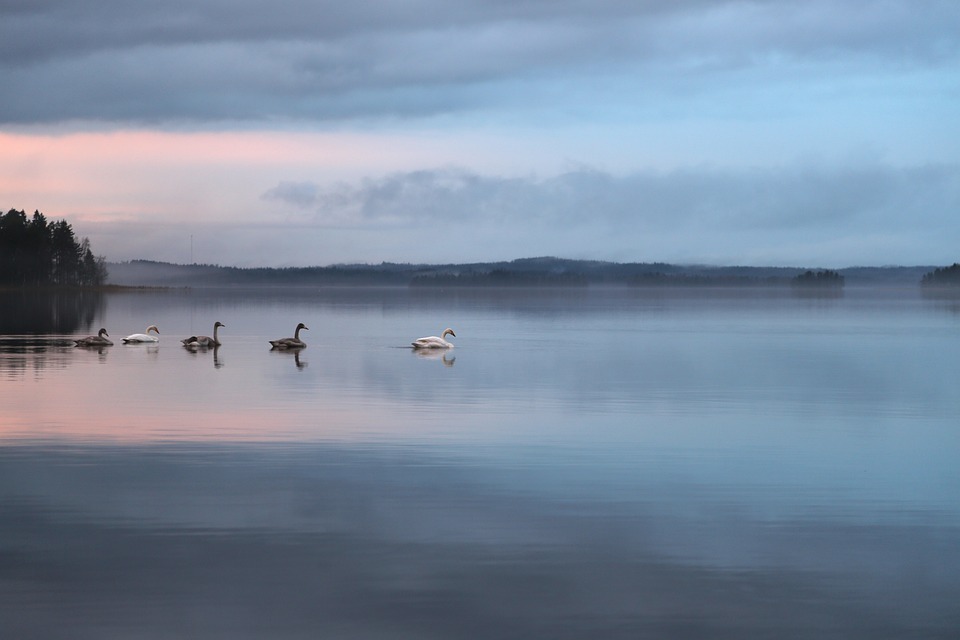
[(584, 464)]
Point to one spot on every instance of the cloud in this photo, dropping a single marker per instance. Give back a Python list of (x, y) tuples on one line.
[(781, 198), (876, 214), (683, 122), (299, 194), (298, 60)]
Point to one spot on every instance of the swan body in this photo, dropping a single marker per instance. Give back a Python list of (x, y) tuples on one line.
[(433, 342), (204, 341), (95, 341), (291, 343), (143, 337)]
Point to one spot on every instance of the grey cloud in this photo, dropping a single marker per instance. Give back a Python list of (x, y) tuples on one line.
[(804, 215), (786, 198), (307, 60), (300, 194)]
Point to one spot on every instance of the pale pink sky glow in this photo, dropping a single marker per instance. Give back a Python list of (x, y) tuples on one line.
[(127, 175)]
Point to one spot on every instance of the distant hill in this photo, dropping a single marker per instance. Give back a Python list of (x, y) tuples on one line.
[(536, 272)]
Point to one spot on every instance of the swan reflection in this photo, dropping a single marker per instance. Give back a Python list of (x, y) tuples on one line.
[(101, 353), (153, 350), (101, 350), (287, 351), (196, 348), (443, 356)]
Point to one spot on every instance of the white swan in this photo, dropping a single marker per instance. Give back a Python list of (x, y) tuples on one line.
[(95, 341), (204, 341), (433, 342), (291, 343), (143, 337)]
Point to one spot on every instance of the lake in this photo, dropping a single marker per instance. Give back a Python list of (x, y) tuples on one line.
[(585, 463)]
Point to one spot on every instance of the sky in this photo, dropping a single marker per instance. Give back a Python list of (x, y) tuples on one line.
[(293, 133)]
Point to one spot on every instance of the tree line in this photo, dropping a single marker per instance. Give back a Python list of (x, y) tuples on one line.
[(35, 251), (946, 276), (825, 278)]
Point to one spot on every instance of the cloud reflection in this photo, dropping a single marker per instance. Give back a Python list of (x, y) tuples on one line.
[(387, 542)]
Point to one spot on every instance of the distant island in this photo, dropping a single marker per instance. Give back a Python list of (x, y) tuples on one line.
[(524, 272)]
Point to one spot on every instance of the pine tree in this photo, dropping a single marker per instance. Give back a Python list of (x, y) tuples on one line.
[(34, 251)]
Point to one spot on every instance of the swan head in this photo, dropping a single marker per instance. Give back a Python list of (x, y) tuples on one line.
[(448, 331), (153, 327)]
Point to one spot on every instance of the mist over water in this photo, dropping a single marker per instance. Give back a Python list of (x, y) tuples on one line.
[(583, 463)]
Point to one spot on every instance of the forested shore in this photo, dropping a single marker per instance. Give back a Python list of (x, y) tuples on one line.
[(526, 272), (37, 252)]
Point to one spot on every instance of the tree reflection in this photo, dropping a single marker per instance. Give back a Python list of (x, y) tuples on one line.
[(21, 355), (49, 312)]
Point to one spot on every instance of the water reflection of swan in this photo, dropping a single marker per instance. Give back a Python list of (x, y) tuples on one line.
[(204, 341), (291, 343), (296, 360), (135, 338), (433, 342), (95, 341), (283, 352), (436, 354), (194, 349)]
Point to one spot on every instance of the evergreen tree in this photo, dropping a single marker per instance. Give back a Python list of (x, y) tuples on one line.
[(34, 251), (13, 230), (66, 254), (92, 268), (825, 278), (37, 250), (946, 276)]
